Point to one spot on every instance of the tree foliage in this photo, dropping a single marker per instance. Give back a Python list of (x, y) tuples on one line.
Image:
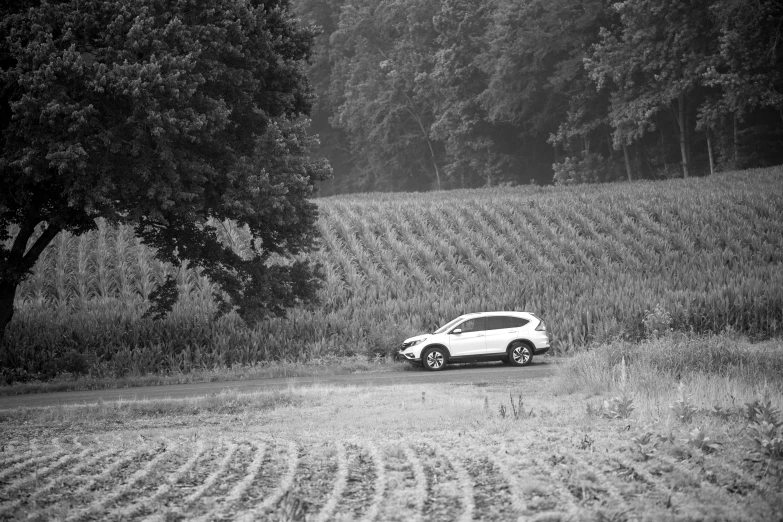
[(750, 66), (171, 116), (503, 90), (381, 92)]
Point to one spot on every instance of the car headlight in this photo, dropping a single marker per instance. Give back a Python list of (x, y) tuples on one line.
[(412, 343)]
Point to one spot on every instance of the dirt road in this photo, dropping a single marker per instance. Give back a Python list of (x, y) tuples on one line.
[(495, 374)]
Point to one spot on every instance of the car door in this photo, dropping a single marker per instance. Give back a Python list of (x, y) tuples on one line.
[(500, 331), (469, 340)]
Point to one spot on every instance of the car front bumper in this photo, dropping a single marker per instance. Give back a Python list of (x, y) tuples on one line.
[(410, 357)]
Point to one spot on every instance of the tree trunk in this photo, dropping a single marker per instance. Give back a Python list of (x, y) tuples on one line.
[(7, 294), (663, 152), (683, 138), (627, 162), (736, 142), (688, 134), (426, 137), (434, 163), (709, 151), (18, 263)]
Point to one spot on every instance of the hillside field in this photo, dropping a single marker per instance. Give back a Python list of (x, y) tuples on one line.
[(597, 262)]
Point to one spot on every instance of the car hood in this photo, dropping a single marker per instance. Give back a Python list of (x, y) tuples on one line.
[(419, 337)]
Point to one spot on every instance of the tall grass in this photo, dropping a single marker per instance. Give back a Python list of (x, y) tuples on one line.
[(591, 260), (723, 370)]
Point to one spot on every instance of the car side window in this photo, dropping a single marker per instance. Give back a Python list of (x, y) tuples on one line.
[(515, 322), (497, 322), (501, 322), (473, 325)]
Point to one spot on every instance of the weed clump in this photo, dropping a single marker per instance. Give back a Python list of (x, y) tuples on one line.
[(657, 322), (654, 365), (765, 429), (683, 408)]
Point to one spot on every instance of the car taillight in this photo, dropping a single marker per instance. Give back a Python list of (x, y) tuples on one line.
[(541, 326)]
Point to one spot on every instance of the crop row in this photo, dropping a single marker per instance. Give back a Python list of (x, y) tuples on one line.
[(254, 477), (592, 261)]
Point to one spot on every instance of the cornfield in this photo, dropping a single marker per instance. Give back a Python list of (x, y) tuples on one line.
[(591, 260)]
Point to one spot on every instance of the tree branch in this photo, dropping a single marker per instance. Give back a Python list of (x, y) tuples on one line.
[(32, 255), (26, 230)]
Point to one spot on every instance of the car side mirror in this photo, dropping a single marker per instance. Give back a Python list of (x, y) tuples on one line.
[(457, 331)]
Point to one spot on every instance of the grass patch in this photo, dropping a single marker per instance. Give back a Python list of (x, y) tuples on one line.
[(692, 394), (227, 402), (264, 370), (656, 366)]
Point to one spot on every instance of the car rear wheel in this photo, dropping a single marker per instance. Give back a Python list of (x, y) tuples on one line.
[(434, 359), (520, 354)]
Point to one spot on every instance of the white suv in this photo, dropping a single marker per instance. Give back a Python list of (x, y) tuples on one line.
[(511, 337)]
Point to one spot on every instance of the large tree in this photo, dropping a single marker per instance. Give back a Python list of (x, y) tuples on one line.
[(381, 95), (656, 61), (167, 115), (537, 79), (474, 143), (751, 50)]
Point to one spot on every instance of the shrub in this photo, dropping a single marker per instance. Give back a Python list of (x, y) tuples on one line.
[(657, 322), (588, 167), (765, 428)]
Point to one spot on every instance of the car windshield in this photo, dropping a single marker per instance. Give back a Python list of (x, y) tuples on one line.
[(448, 325)]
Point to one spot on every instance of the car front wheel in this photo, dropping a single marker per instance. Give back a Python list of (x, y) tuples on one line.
[(520, 354), (434, 359)]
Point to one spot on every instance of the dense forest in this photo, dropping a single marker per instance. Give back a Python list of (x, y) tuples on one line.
[(436, 94)]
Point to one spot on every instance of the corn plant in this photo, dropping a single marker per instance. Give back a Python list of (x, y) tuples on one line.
[(590, 260)]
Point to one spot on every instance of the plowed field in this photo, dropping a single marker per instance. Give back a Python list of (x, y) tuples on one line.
[(404, 453)]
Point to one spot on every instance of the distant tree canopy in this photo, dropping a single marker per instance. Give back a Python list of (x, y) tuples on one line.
[(461, 93), (170, 116)]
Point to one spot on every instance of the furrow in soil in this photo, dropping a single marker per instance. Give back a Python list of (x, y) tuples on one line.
[(697, 493), (29, 491), (492, 492), (15, 451), (444, 489), (406, 484), (379, 487), (146, 495), (509, 480), (235, 479), (181, 500), (467, 497), (340, 480), (56, 499), (29, 466), (543, 489), (272, 483), (120, 486), (360, 483), (313, 482)]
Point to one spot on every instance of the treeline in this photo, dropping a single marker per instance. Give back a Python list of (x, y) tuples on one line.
[(426, 94)]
